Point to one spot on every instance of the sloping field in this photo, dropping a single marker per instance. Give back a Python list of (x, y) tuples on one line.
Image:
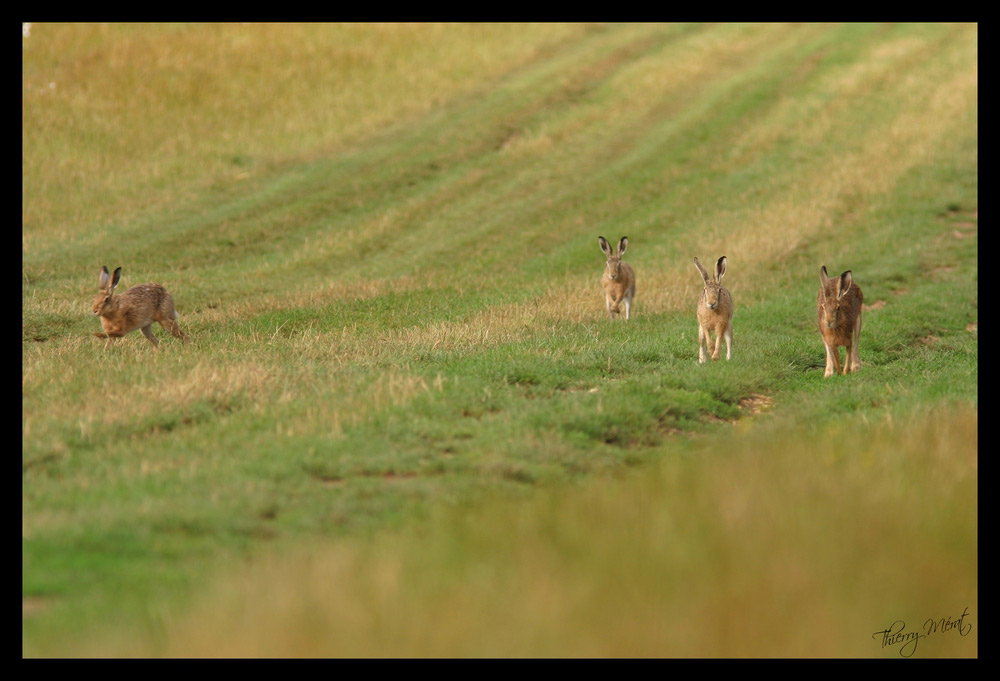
[(382, 244)]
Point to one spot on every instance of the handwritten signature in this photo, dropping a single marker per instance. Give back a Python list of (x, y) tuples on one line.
[(907, 641)]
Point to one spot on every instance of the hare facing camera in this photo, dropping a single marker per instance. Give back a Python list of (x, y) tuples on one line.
[(715, 312), (838, 311), (136, 308), (618, 279)]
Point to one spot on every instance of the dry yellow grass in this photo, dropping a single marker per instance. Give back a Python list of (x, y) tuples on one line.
[(128, 117)]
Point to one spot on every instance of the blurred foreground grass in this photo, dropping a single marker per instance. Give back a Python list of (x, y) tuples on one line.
[(777, 543)]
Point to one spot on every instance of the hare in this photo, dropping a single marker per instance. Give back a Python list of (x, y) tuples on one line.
[(618, 279), (137, 308), (838, 309), (715, 312)]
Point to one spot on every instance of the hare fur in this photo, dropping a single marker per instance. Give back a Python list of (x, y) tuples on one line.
[(838, 312), (715, 312), (136, 308), (618, 279)]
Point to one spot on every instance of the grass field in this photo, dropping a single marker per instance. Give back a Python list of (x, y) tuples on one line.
[(404, 426)]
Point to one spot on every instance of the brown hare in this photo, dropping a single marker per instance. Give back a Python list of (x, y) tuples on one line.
[(838, 309), (136, 308), (618, 279), (715, 312)]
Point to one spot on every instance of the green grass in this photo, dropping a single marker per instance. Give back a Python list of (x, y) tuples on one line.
[(387, 264)]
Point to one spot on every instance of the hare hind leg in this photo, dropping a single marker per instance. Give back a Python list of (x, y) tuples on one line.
[(851, 361), (147, 331), (855, 361), (168, 320), (848, 366), (174, 329)]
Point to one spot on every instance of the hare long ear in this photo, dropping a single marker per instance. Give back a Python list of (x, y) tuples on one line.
[(822, 276), (103, 278), (114, 280), (720, 269), (605, 246), (844, 284), (704, 274), (622, 245)]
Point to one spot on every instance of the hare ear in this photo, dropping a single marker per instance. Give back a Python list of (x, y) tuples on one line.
[(844, 284), (704, 274), (103, 277), (622, 245), (720, 269), (605, 246), (118, 275), (822, 276)]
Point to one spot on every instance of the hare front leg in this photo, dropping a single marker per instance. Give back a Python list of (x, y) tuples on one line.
[(729, 340), (628, 307), (718, 343), (832, 360), (702, 344), (111, 339), (607, 304)]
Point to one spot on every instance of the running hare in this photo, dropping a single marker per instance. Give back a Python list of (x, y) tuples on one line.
[(137, 308), (838, 309), (618, 279), (715, 311)]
